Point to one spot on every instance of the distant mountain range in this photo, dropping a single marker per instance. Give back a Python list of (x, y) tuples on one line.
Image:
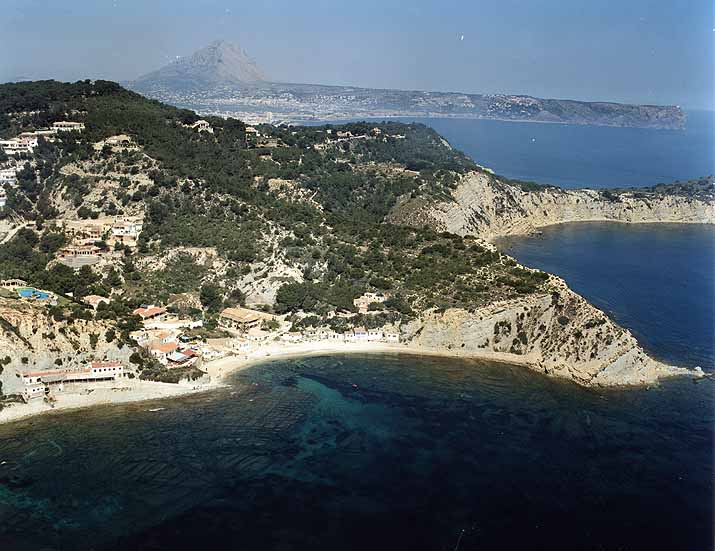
[(222, 79)]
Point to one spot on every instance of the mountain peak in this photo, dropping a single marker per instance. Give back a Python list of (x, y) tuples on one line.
[(221, 62)]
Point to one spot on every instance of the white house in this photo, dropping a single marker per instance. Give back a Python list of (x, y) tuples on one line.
[(67, 126), (14, 146), (360, 334)]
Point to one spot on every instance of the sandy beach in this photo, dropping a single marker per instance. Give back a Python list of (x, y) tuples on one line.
[(135, 390), (120, 392)]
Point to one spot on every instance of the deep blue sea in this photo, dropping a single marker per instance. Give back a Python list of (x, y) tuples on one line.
[(658, 280), (398, 452), (369, 452), (586, 156)]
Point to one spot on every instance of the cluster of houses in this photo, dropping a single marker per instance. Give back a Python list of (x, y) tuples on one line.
[(25, 144), (169, 347), (248, 326), (85, 234), (38, 384), (162, 337)]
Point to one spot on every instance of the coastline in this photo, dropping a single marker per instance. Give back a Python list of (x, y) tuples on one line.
[(536, 229), (135, 390)]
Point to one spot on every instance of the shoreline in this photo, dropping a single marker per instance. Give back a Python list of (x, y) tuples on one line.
[(135, 390), (535, 230)]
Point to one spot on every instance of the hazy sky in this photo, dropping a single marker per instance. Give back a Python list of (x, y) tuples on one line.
[(640, 51)]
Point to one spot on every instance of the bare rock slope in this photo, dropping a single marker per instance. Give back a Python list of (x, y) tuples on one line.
[(557, 333), (31, 338), (487, 207)]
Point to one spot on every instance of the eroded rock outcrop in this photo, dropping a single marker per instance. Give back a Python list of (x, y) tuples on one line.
[(32, 340), (487, 207), (558, 333)]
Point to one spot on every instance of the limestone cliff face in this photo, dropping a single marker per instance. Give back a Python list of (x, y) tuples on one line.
[(482, 205), (34, 341), (557, 333)]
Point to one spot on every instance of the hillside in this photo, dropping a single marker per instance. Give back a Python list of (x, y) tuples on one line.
[(297, 221), (222, 79)]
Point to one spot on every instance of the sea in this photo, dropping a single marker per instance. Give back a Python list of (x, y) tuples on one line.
[(657, 280), (388, 451), (575, 156)]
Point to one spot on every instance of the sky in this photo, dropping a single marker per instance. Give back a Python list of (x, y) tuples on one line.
[(632, 51)]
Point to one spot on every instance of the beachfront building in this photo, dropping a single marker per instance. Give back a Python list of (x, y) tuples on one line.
[(243, 319), (183, 358), (374, 335), (107, 370), (257, 334), (241, 345), (391, 336), (38, 384), (67, 126), (359, 334), (162, 351)]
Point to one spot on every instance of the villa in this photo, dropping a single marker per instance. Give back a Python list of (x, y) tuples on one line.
[(150, 312), (67, 126), (12, 284), (202, 126), (8, 176), (18, 145), (363, 303), (243, 319), (76, 256)]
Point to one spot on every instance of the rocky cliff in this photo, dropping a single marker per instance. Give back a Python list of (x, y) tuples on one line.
[(30, 339), (557, 333), (488, 207)]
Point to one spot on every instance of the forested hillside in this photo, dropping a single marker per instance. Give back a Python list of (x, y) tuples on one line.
[(305, 201)]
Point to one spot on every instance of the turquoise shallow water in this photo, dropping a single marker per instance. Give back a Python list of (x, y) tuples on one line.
[(658, 280), (383, 451)]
